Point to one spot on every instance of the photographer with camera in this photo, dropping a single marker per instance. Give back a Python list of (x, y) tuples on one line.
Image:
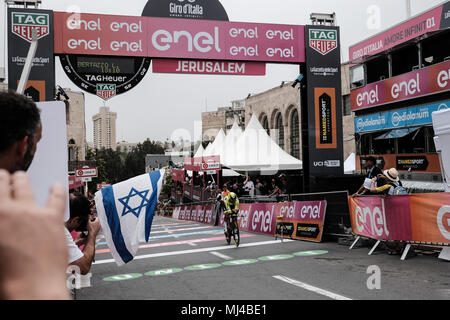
[(81, 220)]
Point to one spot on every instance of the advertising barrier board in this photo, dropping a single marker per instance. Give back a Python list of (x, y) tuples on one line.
[(430, 80), (433, 20), (402, 118), (415, 218), (307, 217)]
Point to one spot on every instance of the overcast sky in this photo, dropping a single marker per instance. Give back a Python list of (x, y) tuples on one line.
[(161, 105)]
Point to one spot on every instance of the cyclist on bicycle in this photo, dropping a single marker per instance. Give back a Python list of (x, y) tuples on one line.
[(231, 208)]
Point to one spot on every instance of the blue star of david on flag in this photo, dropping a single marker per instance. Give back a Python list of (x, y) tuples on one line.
[(137, 210)]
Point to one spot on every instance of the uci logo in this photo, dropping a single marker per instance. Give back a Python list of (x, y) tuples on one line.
[(443, 221)]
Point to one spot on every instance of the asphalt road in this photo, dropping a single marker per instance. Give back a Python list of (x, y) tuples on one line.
[(191, 261)]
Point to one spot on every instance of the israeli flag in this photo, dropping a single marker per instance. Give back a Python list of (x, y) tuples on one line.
[(126, 213)]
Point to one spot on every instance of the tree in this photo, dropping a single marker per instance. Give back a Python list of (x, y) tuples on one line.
[(135, 161)]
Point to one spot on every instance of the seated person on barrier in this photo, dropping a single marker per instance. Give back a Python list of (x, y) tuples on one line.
[(390, 183)]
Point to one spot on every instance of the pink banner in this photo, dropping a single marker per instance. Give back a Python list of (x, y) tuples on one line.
[(384, 218), (409, 30), (177, 38), (234, 68), (211, 163), (262, 217), (423, 82), (311, 211), (178, 175), (209, 214)]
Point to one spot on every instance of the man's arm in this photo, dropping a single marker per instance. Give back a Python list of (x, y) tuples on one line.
[(85, 262), (236, 205), (361, 189), (275, 191)]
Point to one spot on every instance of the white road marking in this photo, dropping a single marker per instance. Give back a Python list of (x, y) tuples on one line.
[(192, 244), (220, 255), (176, 253), (167, 230), (312, 288)]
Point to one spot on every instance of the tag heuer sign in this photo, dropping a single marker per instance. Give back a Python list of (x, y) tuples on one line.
[(24, 23), (106, 91), (323, 41)]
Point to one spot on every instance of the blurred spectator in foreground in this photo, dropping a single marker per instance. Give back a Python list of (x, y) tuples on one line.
[(20, 131), (33, 254)]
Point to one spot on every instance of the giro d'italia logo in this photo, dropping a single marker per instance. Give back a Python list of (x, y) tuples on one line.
[(323, 40), (24, 23), (106, 91)]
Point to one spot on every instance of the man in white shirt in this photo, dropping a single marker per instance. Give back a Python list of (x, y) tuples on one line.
[(249, 187), (81, 220)]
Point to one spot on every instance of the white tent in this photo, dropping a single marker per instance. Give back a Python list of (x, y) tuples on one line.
[(441, 124), (230, 143), (200, 152), (350, 164), (215, 148), (207, 149), (230, 173), (256, 151)]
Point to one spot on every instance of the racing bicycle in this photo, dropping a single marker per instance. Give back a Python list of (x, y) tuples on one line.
[(232, 229)]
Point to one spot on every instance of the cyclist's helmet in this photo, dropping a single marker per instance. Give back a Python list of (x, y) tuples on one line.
[(232, 196)]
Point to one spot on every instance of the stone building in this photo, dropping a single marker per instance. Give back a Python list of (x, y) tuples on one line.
[(278, 110), (3, 84), (125, 147), (76, 125), (105, 129), (223, 118)]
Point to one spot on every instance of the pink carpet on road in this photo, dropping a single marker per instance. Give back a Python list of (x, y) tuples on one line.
[(176, 243)]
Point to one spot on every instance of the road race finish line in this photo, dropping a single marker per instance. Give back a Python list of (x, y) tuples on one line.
[(201, 267)]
